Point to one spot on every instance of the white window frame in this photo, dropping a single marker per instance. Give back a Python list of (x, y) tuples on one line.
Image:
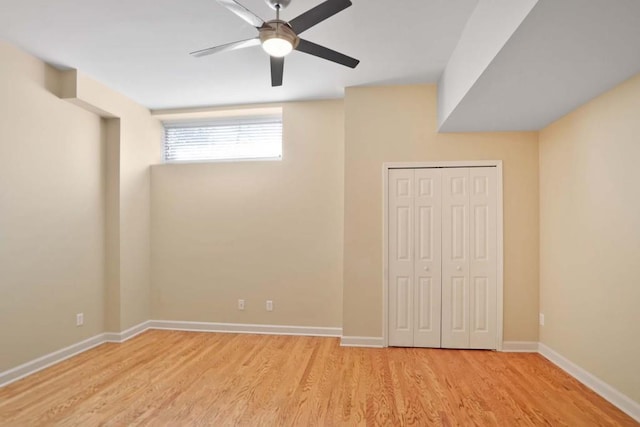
[(221, 118)]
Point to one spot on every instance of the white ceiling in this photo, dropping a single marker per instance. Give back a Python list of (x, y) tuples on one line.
[(565, 53), (140, 47)]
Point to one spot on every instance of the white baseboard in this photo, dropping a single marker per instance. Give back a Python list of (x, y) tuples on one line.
[(119, 337), (520, 346), (615, 397), (33, 366), (240, 328), (373, 342), (50, 359)]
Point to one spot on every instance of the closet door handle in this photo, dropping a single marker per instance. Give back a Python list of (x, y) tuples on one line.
[(426, 269), (459, 268)]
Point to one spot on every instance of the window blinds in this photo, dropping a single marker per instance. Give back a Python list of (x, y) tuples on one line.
[(223, 139)]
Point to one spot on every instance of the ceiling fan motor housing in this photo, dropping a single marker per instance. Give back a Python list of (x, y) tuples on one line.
[(279, 29)]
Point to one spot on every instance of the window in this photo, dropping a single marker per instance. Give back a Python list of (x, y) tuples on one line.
[(230, 138)]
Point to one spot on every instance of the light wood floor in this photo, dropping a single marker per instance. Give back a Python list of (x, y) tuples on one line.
[(184, 378)]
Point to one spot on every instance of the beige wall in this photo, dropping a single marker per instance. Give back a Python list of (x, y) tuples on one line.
[(112, 227), (52, 180), (75, 208), (255, 230), (140, 147), (385, 124), (77, 221), (134, 141), (84, 226), (590, 237)]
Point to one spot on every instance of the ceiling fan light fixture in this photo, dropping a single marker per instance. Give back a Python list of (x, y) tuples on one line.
[(277, 47)]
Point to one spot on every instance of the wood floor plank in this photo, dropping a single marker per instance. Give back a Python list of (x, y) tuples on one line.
[(188, 378)]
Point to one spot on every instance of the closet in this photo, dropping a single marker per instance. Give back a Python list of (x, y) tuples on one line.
[(442, 257)]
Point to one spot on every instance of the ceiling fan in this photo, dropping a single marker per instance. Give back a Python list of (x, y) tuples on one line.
[(278, 38)]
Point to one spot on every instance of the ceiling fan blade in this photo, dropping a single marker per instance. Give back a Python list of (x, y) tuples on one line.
[(226, 47), (277, 70), (326, 53), (242, 12), (318, 14)]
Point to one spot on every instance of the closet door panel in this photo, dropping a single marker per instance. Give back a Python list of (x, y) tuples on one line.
[(401, 256), (455, 258), (427, 268), (483, 257)]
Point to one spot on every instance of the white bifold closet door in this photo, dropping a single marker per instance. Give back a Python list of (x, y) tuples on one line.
[(415, 266), (442, 257)]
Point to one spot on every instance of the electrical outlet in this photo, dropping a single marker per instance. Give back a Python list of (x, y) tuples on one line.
[(541, 319), (240, 304), (269, 305), (79, 319)]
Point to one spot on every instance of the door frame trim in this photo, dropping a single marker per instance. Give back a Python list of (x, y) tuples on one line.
[(499, 240)]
